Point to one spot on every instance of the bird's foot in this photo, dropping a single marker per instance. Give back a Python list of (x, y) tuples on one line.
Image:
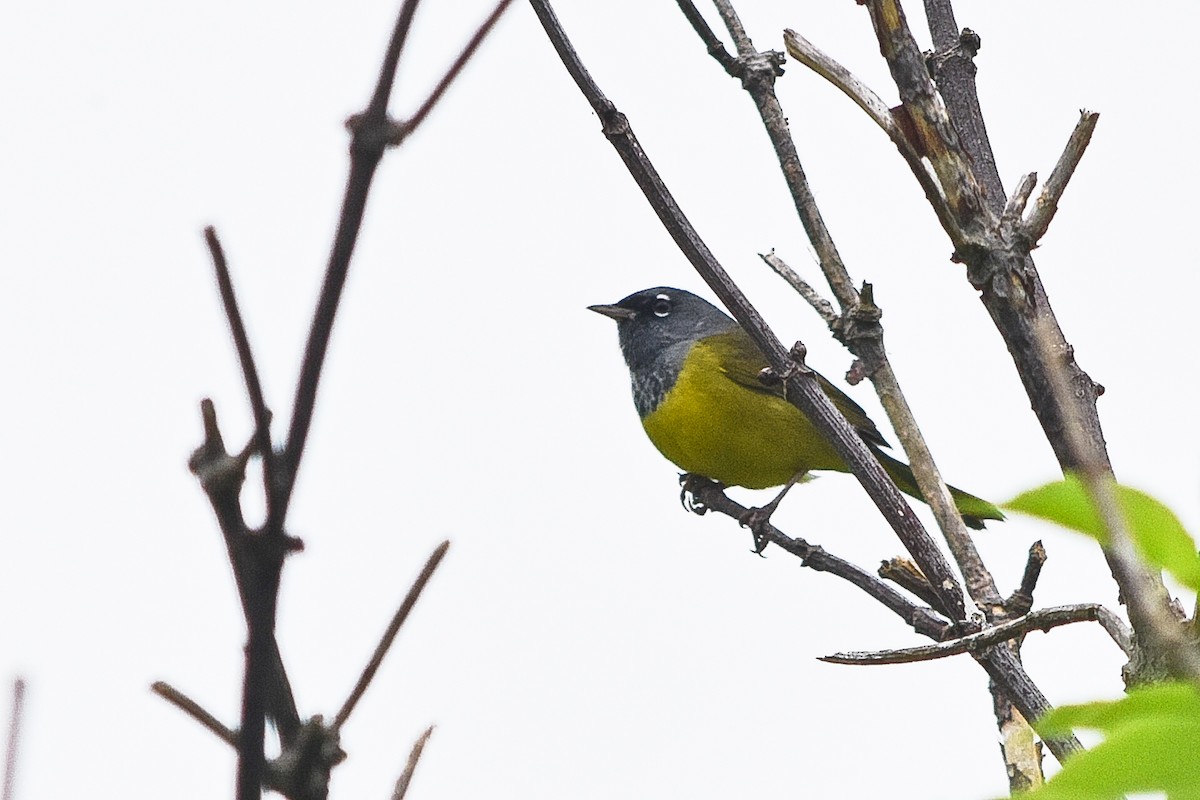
[(690, 485)]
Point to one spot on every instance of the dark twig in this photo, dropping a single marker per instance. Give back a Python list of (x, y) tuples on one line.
[(1021, 601), (389, 635), (370, 131), (1046, 205), (241, 341), (414, 756), (14, 739), (708, 496), (858, 327), (1041, 620), (194, 710), (405, 129), (715, 48)]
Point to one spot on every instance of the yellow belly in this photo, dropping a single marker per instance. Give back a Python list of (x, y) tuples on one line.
[(710, 425)]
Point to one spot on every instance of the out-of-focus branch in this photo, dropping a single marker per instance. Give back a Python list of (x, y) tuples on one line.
[(1041, 620), (389, 635), (14, 739), (414, 756)]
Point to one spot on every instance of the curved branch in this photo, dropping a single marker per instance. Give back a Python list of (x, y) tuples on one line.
[(1042, 620)]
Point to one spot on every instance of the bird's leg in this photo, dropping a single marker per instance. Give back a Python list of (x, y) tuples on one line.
[(756, 519)]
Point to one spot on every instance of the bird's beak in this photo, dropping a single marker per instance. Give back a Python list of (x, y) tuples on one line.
[(617, 313)]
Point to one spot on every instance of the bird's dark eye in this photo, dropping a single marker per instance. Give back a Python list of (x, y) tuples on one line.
[(661, 305)]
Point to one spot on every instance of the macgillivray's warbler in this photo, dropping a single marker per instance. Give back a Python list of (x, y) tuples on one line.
[(697, 386)]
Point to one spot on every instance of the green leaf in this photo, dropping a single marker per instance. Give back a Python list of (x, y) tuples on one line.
[(1157, 533), (1151, 738)]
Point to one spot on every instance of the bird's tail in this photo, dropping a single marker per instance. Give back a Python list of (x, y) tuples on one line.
[(974, 510)]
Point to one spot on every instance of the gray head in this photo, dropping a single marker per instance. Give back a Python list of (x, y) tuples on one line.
[(657, 327)]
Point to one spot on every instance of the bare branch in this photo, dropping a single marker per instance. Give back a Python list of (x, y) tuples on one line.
[(824, 65), (389, 635), (858, 327), (708, 496), (803, 288), (1020, 602), (194, 710), (1047, 203), (241, 341), (904, 573), (414, 756), (405, 129), (715, 48), (1042, 620)]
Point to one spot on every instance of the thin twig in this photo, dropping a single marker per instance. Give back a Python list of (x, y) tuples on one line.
[(803, 288), (414, 756), (241, 341), (873, 105), (368, 142), (1043, 620), (1021, 601), (194, 710), (709, 496), (715, 48), (1046, 205), (14, 739), (389, 635), (412, 123)]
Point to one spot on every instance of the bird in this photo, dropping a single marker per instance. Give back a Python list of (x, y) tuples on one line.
[(697, 380)]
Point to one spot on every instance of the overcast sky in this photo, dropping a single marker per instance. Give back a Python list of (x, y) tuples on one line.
[(584, 638)]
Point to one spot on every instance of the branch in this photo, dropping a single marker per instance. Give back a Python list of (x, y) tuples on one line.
[(1000, 664), (1047, 203), (859, 326), (1021, 601), (194, 710), (389, 635), (873, 105), (405, 129), (1042, 620), (800, 383), (370, 132), (803, 288), (241, 341), (708, 496), (414, 756)]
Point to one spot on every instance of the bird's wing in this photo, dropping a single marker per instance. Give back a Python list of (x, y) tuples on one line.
[(741, 360)]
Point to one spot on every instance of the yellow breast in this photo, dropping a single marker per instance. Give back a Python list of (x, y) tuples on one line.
[(713, 426)]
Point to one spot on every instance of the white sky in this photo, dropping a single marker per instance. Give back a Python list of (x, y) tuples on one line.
[(584, 638)]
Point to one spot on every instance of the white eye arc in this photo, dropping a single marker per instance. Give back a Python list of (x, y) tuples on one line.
[(661, 306)]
